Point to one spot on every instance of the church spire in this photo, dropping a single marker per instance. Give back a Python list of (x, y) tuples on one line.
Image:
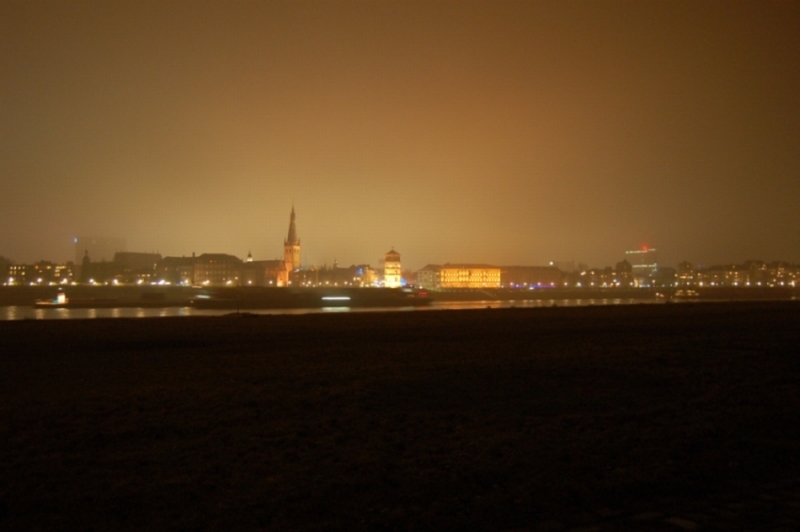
[(291, 247), (292, 239)]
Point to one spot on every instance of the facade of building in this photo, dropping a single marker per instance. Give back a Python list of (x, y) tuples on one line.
[(644, 262), (18, 274), (176, 270), (751, 273), (446, 276), (686, 274), (217, 269), (392, 272), (352, 276), (428, 277), (366, 276), (39, 273), (264, 273), (470, 276)]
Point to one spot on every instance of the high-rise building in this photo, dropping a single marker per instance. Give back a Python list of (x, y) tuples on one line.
[(392, 273), (644, 263), (291, 247)]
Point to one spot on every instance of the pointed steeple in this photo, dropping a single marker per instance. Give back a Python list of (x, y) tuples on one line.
[(292, 239), (291, 246)]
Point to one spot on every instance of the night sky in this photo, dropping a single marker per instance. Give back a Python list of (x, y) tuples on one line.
[(495, 132)]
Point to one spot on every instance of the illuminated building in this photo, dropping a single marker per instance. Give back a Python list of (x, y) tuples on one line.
[(40, 273), (751, 273), (595, 278), (365, 276), (782, 274), (435, 276), (392, 273), (686, 274), (723, 275), (264, 273), (217, 269), (469, 276), (644, 263), (45, 272), (176, 270), (18, 274)]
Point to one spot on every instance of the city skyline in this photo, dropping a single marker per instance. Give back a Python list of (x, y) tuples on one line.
[(510, 133), (104, 261), (109, 246), (104, 249)]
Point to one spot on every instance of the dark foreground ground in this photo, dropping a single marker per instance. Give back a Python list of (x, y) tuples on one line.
[(670, 417)]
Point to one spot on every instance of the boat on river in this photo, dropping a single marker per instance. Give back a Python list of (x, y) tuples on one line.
[(61, 301)]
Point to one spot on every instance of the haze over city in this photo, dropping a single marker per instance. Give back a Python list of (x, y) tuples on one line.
[(501, 132)]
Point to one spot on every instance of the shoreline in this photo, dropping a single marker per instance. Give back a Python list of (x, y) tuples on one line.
[(129, 297)]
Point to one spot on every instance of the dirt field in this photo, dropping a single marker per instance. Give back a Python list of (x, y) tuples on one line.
[(668, 417)]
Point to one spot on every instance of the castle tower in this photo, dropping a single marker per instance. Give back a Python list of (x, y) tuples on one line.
[(291, 247), (391, 270)]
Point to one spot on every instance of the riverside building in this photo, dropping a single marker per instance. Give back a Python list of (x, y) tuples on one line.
[(445, 276), (392, 272)]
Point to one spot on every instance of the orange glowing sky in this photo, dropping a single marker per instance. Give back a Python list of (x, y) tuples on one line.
[(499, 132)]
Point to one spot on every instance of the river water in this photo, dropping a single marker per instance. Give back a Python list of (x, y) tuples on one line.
[(30, 313)]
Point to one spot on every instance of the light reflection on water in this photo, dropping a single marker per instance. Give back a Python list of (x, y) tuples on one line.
[(30, 313)]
